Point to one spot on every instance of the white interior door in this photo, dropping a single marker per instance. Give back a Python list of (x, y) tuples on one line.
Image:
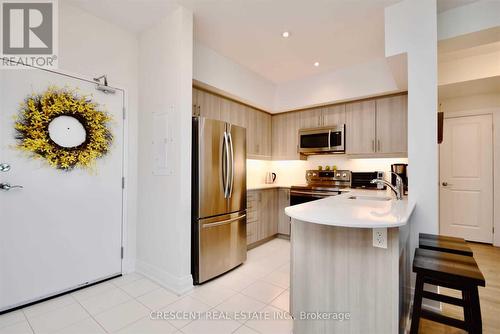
[(466, 173), (64, 228)]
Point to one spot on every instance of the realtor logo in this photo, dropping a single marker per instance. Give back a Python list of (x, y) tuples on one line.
[(28, 33)]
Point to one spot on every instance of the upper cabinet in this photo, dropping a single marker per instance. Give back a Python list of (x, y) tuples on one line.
[(333, 115), (374, 128), (257, 123), (206, 104), (360, 127), (377, 127), (285, 136), (324, 116), (310, 118), (237, 112), (258, 134), (392, 125)]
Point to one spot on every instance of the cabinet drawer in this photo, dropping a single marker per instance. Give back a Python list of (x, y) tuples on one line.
[(251, 228), (252, 216), (252, 195), (252, 205), (252, 233)]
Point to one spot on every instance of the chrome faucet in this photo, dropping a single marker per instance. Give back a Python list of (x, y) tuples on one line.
[(398, 189)]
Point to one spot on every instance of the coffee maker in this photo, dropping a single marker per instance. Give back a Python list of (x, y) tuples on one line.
[(402, 171)]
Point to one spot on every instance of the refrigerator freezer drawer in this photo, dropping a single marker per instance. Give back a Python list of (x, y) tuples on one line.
[(222, 244)]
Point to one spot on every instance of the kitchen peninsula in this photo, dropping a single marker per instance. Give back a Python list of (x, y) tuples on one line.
[(335, 267)]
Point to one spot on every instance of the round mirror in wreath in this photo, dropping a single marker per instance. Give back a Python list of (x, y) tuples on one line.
[(66, 129)]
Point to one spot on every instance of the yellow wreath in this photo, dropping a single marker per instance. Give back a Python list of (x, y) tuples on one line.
[(40, 110)]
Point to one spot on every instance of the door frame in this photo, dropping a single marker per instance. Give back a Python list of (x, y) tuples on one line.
[(495, 115), (127, 261)]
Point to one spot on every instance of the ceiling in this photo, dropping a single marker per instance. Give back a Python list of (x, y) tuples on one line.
[(335, 33), (133, 15)]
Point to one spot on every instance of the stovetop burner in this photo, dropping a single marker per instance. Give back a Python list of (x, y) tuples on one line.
[(322, 180), (320, 187), (320, 184)]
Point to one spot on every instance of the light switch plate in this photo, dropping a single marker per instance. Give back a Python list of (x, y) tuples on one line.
[(380, 237)]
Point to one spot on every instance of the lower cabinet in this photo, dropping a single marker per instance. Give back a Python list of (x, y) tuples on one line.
[(283, 219), (265, 214)]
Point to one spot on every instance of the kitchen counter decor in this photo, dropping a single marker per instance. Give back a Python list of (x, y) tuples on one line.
[(66, 129)]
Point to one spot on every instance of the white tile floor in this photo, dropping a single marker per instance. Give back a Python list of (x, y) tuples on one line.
[(259, 288)]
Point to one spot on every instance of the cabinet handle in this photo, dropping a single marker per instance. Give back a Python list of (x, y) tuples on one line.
[(379, 145), (199, 111), (373, 145)]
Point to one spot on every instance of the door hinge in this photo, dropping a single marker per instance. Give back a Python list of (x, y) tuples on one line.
[(124, 113), (123, 182), (121, 252)]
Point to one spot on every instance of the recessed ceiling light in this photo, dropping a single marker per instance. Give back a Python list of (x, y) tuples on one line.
[(285, 34), (316, 64)]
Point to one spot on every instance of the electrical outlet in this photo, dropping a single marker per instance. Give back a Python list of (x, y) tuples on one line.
[(380, 237)]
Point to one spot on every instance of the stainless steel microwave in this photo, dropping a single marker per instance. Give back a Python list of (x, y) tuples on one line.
[(323, 140)]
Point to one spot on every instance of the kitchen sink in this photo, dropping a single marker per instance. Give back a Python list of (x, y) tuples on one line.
[(371, 198)]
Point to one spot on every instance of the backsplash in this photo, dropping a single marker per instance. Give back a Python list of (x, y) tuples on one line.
[(293, 171), (256, 172), (355, 165)]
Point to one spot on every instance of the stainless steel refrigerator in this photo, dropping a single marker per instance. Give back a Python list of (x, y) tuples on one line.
[(218, 198)]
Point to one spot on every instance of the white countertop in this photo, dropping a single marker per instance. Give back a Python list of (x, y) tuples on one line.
[(359, 213)]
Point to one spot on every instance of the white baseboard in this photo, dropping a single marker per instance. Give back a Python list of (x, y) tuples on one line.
[(178, 285), (128, 266)]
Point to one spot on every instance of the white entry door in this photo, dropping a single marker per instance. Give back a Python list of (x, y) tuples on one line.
[(466, 173), (63, 229)]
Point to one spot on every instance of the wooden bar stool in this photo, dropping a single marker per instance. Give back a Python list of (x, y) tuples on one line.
[(444, 244), (453, 271)]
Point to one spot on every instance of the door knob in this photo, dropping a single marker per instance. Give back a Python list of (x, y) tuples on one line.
[(4, 167), (7, 187)]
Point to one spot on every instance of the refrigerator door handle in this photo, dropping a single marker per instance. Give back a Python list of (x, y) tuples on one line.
[(226, 166), (224, 222), (231, 183)]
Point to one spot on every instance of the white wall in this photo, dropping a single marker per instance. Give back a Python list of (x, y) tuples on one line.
[(356, 82), (165, 81), (411, 27), (467, 19), (89, 47), (471, 102), (477, 66), (215, 70), (225, 76)]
